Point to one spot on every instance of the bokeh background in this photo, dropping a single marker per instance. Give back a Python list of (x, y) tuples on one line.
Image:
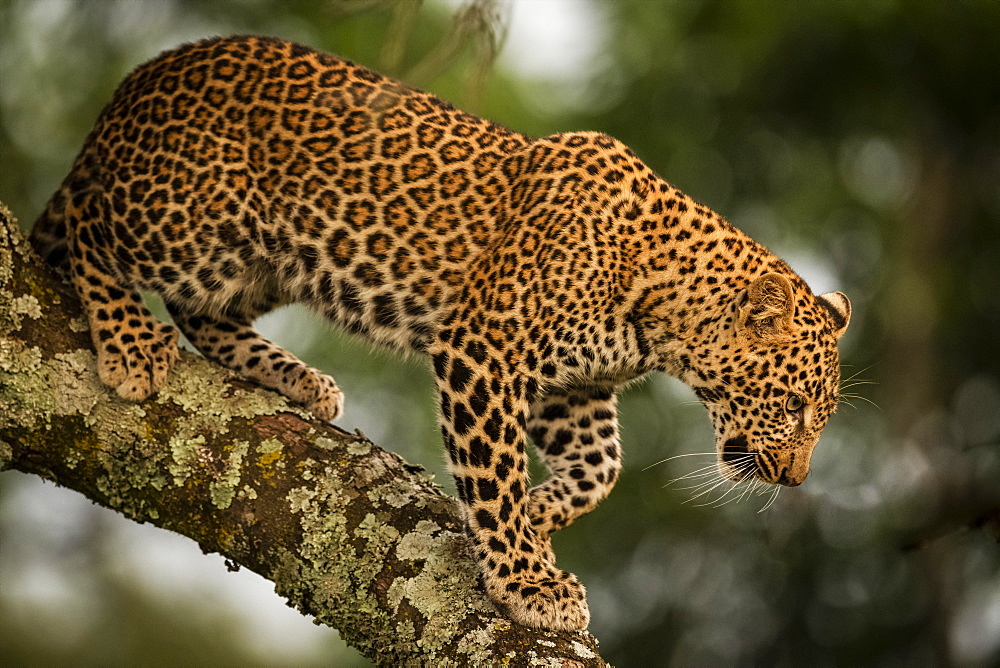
[(860, 141)]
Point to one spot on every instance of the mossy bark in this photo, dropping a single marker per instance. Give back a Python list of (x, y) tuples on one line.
[(348, 532)]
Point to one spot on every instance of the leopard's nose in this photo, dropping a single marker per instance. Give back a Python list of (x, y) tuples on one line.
[(783, 479)]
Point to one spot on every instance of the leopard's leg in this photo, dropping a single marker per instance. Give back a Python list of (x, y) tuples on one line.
[(232, 341), (576, 432), (484, 411), (134, 349)]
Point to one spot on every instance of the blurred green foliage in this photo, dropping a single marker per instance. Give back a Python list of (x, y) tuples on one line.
[(860, 141)]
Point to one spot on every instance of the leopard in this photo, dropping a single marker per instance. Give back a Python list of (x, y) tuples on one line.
[(537, 277)]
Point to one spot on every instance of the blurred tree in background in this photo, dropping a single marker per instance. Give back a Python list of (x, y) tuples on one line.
[(860, 141)]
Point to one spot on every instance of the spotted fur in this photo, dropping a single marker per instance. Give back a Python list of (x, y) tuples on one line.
[(538, 275)]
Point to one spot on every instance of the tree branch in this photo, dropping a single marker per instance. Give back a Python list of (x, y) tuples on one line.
[(348, 533)]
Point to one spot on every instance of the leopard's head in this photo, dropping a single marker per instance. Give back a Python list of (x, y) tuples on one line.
[(768, 371)]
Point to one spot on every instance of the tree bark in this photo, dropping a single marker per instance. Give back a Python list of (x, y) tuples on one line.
[(348, 532)]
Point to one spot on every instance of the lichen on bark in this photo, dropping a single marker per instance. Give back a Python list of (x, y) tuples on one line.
[(347, 532)]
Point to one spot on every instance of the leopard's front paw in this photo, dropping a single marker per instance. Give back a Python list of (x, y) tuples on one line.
[(136, 362), (552, 599), (326, 401)]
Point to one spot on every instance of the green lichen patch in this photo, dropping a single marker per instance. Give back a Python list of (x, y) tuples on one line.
[(184, 453), (202, 390), (223, 488), (475, 644), (582, 650), (312, 591), (549, 662), (322, 574), (444, 590), (359, 448), (293, 579), (396, 493), (14, 307), (300, 498), (270, 460), (416, 545), (26, 394), (17, 358), (131, 469), (326, 536), (27, 306), (79, 388), (405, 632), (13, 310), (337, 565), (324, 527), (380, 537), (34, 389), (326, 443), (8, 243), (371, 470), (269, 445), (439, 504)]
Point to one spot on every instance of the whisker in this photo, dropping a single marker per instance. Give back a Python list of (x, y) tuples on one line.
[(712, 466), (713, 478), (718, 501), (744, 461), (686, 454), (860, 381), (862, 398), (707, 491), (735, 499), (765, 488), (856, 373), (697, 485), (709, 486), (744, 472), (845, 390), (748, 492), (774, 495), (710, 471)]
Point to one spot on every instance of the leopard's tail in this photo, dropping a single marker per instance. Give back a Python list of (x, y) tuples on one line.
[(49, 236)]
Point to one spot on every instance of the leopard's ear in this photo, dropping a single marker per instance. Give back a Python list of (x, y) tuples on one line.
[(839, 311), (766, 308)]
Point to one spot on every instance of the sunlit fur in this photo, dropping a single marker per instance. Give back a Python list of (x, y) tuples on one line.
[(536, 275)]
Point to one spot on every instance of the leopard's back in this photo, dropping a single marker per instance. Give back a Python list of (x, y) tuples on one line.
[(243, 172)]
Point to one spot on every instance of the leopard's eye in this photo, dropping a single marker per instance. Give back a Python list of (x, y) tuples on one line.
[(793, 404)]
